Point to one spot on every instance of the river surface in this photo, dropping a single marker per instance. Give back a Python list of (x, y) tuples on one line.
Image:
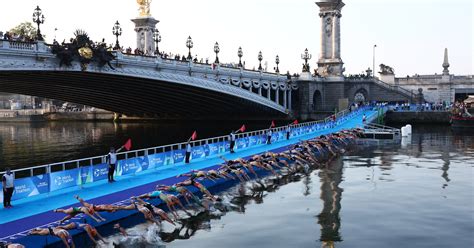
[(32, 144), (418, 194)]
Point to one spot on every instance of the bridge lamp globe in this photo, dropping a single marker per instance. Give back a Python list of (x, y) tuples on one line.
[(157, 39), (189, 45), (217, 50), (240, 53), (38, 18), (277, 61), (260, 58), (117, 31)]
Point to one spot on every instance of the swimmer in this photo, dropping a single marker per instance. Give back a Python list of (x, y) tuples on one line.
[(170, 200), (57, 232), (121, 230), (94, 209), (186, 193), (90, 230), (198, 185), (73, 211), (149, 211)]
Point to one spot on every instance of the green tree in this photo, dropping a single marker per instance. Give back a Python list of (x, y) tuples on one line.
[(25, 29)]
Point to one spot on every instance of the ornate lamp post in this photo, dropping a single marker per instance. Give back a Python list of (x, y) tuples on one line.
[(240, 53), (260, 58), (117, 31), (277, 61), (38, 18), (217, 50), (189, 45), (157, 39), (306, 56)]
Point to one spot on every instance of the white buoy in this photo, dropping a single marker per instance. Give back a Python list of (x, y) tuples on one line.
[(409, 129), (404, 131)]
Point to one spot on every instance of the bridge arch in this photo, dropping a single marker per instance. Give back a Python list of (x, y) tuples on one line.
[(317, 100), (361, 96)]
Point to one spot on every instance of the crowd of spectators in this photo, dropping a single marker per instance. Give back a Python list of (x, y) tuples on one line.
[(358, 76), (10, 36)]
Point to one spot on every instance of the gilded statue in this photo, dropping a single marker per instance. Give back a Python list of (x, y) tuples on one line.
[(144, 7)]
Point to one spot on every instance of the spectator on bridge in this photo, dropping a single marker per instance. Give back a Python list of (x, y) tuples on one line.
[(111, 160), (8, 188)]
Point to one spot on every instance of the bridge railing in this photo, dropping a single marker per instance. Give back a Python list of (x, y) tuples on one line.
[(17, 45)]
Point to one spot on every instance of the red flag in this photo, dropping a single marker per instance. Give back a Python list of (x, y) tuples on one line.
[(194, 136), (128, 145), (242, 129), (295, 122), (273, 124)]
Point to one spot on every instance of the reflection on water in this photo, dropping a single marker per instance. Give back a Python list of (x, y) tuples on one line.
[(331, 194), (32, 144)]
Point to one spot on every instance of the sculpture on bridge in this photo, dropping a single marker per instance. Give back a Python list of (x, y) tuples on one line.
[(84, 50), (386, 70), (144, 7)]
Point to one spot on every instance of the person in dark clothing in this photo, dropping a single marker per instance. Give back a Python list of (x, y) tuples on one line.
[(8, 188), (111, 160), (189, 149), (269, 136), (232, 141)]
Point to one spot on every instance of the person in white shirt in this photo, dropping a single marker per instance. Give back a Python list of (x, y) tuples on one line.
[(8, 188), (111, 160), (232, 141), (288, 131), (189, 149), (269, 136)]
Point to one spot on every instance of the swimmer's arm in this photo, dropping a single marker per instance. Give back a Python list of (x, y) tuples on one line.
[(120, 149)]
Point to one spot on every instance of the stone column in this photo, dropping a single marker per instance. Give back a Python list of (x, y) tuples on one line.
[(277, 95), (289, 99), (322, 37), (285, 92), (260, 90), (337, 36), (333, 36)]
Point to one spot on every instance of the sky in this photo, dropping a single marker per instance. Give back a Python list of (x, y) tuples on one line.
[(410, 34)]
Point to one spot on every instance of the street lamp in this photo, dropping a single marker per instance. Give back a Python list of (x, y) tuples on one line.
[(277, 61), (117, 31), (240, 53), (217, 50), (260, 58), (157, 39), (189, 45), (306, 56), (38, 18), (373, 64)]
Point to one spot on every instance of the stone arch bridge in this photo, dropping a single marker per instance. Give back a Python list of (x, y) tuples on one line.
[(172, 89)]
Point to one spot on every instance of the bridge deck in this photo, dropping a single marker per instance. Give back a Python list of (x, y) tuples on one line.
[(37, 211)]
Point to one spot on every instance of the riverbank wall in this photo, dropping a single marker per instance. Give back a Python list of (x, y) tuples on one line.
[(417, 117)]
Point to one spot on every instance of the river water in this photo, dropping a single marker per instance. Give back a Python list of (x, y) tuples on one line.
[(419, 194), (32, 144)]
